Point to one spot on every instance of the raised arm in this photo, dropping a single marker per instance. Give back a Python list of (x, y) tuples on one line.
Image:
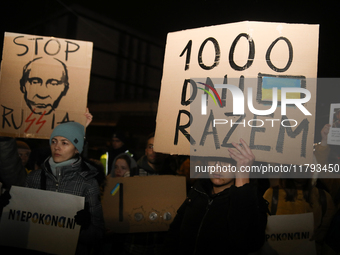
[(244, 157)]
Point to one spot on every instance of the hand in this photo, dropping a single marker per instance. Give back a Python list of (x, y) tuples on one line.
[(4, 199), (88, 116), (324, 134), (83, 217), (243, 157)]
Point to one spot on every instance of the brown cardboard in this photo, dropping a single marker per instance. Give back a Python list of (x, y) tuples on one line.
[(44, 81), (232, 54), (150, 203)]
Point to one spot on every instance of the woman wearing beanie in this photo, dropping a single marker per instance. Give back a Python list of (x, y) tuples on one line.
[(65, 171)]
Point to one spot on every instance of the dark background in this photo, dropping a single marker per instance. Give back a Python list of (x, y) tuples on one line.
[(157, 18)]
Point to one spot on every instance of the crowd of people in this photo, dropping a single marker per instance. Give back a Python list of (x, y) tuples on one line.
[(224, 214)]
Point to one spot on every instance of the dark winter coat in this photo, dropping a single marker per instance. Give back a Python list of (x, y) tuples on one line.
[(166, 166), (76, 179), (12, 171), (230, 222)]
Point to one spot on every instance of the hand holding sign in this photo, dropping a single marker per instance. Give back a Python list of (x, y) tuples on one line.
[(83, 217), (324, 134), (88, 116), (244, 157), (4, 199)]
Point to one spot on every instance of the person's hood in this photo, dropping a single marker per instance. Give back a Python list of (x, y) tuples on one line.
[(132, 166)]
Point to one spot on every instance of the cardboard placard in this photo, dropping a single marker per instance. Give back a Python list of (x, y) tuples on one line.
[(199, 116), (41, 220), (289, 235), (44, 82), (142, 203)]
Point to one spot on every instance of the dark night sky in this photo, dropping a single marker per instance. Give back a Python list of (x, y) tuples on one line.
[(157, 18)]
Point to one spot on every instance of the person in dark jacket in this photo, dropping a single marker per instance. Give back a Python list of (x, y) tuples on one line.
[(65, 171), (221, 215), (12, 172), (154, 163), (117, 146)]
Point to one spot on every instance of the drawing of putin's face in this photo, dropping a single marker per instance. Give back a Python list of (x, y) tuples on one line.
[(44, 85)]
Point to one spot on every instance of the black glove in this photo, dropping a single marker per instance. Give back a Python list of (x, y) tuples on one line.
[(4, 199), (83, 217)]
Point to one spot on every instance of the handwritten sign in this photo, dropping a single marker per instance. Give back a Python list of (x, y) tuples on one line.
[(250, 80), (41, 220), (289, 235), (44, 82)]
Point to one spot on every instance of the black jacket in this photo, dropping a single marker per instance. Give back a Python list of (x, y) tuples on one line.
[(12, 171), (231, 222)]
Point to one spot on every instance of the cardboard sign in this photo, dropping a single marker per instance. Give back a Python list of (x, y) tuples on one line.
[(142, 203), (289, 235), (44, 82), (270, 70), (41, 220), (334, 120)]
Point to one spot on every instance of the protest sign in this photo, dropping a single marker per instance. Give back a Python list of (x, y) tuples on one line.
[(44, 82), (250, 80), (289, 235), (334, 120), (142, 203), (41, 220)]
